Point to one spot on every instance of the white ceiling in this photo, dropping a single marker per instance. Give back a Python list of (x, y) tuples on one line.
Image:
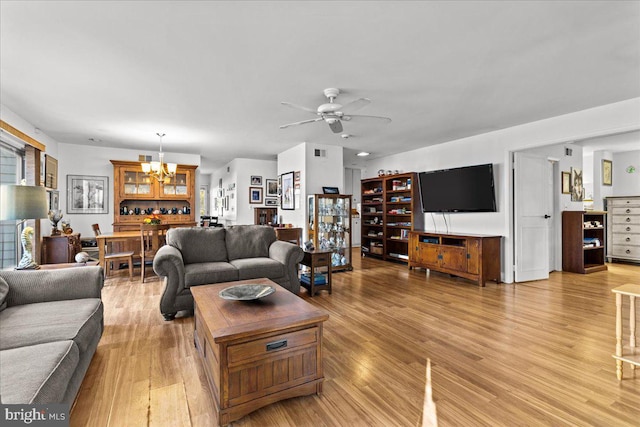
[(212, 74)]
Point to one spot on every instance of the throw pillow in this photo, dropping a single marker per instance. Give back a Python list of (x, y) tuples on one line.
[(4, 291)]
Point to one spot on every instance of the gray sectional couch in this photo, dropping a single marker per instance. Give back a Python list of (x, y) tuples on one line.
[(204, 255), (50, 324)]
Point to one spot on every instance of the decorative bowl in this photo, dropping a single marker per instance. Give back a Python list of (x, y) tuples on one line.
[(248, 292)]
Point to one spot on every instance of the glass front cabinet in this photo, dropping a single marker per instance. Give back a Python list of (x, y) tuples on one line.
[(329, 227)]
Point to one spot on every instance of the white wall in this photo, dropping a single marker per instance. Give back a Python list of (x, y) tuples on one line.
[(293, 160), (600, 191), (495, 147), (237, 175), (245, 168), (89, 160), (625, 183)]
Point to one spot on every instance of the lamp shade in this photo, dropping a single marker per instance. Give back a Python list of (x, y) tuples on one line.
[(23, 202)]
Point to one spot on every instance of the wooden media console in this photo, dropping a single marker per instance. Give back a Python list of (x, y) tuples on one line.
[(472, 256)]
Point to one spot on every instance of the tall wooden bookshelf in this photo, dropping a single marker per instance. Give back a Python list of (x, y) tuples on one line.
[(390, 209)]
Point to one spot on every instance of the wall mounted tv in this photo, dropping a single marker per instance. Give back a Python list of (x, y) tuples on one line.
[(466, 189)]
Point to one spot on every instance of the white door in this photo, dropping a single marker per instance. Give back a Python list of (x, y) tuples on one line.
[(532, 215)]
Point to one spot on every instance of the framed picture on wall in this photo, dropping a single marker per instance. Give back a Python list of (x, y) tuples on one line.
[(270, 201), (256, 180), (566, 182), (255, 195), (87, 194), (54, 200), (272, 187), (607, 172), (50, 172), (288, 199), (577, 190)]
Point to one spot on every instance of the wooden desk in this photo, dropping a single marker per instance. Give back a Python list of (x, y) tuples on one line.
[(317, 259), (255, 353), (289, 234)]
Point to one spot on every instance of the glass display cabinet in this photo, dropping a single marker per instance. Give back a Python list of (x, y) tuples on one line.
[(329, 227)]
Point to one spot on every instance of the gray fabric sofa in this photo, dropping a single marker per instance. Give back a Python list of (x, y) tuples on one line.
[(50, 324), (204, 255)]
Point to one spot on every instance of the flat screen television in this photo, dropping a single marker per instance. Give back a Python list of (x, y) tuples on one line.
[(466, 189)]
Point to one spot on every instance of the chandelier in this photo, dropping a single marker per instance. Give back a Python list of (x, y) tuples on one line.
[(162, 172)]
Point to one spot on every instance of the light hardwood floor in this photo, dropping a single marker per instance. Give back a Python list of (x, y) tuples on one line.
[(536, 353)]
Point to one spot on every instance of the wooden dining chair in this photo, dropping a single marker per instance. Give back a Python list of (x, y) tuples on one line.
[(113, 257), (152, 237)]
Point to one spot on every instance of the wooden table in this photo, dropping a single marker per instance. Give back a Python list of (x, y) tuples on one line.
[(317, 259), (255, 353), (630, 354), (117, 236)]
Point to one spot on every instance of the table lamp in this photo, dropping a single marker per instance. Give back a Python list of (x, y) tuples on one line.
[(23, 202)]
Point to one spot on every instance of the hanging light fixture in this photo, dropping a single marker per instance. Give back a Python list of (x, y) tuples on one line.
[(163, 172)]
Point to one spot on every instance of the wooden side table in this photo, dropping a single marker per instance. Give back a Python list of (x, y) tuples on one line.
[(317, 259), (631, 354), (61, 248)]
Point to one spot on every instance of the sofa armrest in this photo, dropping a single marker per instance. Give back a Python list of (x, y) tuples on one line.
[(289, 255), (33, 286), (169, 264)]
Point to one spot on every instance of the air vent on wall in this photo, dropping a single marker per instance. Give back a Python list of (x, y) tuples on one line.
[(568, 152)]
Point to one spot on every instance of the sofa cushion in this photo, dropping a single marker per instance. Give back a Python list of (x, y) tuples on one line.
[(209, 272), (37, 373), (78, 320), (249, 241), (4, 291), (199, 244), (253, 268)]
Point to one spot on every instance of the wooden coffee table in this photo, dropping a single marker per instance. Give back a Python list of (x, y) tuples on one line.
[(256, 353)]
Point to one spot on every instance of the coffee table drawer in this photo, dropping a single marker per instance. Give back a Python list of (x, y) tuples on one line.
[(266, 346)]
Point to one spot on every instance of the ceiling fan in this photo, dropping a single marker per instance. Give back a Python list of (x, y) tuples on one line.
[(333, 113)]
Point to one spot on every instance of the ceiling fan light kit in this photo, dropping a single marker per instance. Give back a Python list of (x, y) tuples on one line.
[(332, 112)]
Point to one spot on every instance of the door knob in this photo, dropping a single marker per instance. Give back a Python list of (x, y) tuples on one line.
[(547, 216)]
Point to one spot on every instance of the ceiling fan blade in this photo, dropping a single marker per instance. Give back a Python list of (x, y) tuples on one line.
[(356, 105), (335, 125), (299, 107), (301, 123), (358, 117)]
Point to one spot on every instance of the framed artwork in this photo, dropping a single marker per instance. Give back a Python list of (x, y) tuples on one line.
[(255, 194), (50, 172), (256, 180), (288, 199), (270, 201), (54, 200), (607, 172), (577, 190), (566, 182), (87, 194), (330, 190), (272, 187)]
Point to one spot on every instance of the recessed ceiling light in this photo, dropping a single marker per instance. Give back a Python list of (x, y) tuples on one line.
[(362, 154)]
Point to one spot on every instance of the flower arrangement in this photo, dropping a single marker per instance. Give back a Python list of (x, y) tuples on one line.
[(153, 219)]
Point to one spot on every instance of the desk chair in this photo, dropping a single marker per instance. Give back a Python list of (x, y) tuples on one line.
[(111, 257), (152, 237)]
